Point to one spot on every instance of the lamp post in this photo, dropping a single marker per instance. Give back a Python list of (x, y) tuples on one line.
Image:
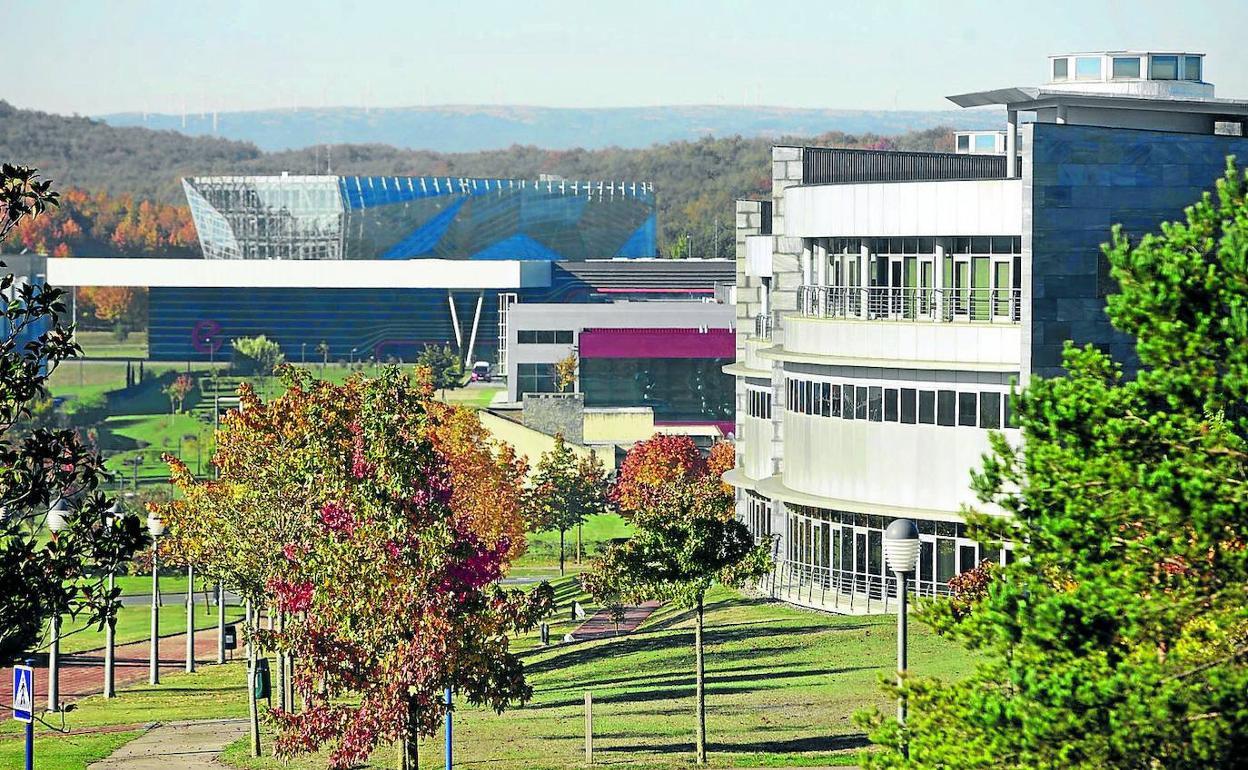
[(303, 353), (58, 520), (110, 626), (190, 618), (155, 528), (220, 622), (901, 550)]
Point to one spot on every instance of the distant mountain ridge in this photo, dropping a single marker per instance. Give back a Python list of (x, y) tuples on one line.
[(472, 128)]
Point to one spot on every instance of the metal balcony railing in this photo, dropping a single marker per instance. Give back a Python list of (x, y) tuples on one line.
[(892, 303), (840, 589), (762, 326)]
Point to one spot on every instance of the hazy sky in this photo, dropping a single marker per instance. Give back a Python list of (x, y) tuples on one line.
[(99, 56)]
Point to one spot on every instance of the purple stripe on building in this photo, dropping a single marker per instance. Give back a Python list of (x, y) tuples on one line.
[(657, 343)]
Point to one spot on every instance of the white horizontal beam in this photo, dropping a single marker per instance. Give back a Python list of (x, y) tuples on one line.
[(295, 274)]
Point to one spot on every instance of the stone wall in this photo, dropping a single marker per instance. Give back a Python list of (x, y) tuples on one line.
[(1078, 182), (552, 413)]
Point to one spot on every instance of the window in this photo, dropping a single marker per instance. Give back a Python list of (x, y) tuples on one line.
[(946, 404), (908, 406), (535, 378), (990, 410), (1191, 68), (985, 143), (847, 402), (927, 407), (1010, 420), (544, 336), (1088, 68), (1163, 67), (966, 410), (836, 401), (825, 398), (890, 405), (964, 142), (1060, 69), (875, 404), (759, 404), (860, 404), (1126, 66)]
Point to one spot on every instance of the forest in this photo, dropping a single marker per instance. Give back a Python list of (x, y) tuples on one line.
[(696, 182)]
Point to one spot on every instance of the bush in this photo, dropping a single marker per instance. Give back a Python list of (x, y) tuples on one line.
[(255, 355)]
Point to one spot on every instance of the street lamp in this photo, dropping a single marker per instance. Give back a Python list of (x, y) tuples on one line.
[(110, 628), (901, 550), (58, 520), (190, 618), (155, 528)]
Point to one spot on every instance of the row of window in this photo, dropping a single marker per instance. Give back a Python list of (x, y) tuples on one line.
[(980, 244), (875, 403), (758, 403), (1160, 67), (758, 516), (544, 336)]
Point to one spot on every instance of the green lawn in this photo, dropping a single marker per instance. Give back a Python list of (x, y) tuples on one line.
[(543, 547), (782, 687), (134, 624), (97, 344)]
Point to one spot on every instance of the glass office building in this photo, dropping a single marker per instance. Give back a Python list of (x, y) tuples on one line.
[(406, 217)]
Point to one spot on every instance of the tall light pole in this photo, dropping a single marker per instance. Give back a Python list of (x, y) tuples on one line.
[(155, 528), (220, 622), (110, 626), (190, 618), (901, 550), (58, 520)]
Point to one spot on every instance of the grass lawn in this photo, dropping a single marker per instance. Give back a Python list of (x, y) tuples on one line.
[(134, 624), (104, 344), (782, 687), (213, 692), (543, 547)]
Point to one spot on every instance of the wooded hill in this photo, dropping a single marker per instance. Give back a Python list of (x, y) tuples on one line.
[(696, 182)]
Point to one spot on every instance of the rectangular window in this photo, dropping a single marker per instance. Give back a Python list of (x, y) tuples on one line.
[(825, 399), (966, 409), (909, 411), (989, 410), (875, 404), (1088, 68), (812, 390), (946, 405), (1010, 420), (985, 143), (1061, 69), (964, 142), (563, 337), (526, 337), (860, 404), (1191, 68), (1163, 67), (946, 554), (1126, 66), (927, 407), (890, 405), (847, 402), (836, 401)]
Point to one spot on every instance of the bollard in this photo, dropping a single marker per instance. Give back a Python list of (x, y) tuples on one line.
[(589, 727)]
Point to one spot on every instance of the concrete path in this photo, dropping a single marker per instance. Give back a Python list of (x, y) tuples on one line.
[(176, 746)]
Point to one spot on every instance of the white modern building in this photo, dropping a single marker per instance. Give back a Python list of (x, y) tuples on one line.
[(888, 301)]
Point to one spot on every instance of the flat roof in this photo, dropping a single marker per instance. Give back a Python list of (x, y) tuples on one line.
[(1031, 98)]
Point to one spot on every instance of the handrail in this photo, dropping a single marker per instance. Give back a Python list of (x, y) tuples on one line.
[(900, 303)]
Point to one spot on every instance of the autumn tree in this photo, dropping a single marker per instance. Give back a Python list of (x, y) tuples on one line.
[(565, 490), (339, 503), (686, 539), (565, 372), (43, 578), (444, 365), (1118, 638)]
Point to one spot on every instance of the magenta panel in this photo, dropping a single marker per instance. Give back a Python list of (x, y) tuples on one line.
[(657, 343)]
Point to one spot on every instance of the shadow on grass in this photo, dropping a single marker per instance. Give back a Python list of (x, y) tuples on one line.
[(774, 746), (684, 679)]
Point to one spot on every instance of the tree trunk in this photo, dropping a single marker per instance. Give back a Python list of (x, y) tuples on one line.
[(281, 667), (561, 533), (578, 543), (409, 757), (701, 686), (253, 710)]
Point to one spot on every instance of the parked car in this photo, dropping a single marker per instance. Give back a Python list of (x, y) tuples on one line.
[(481, 372)]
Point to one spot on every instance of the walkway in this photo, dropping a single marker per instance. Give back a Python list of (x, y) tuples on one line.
[(82, 674), (600, 625), (176, 746)]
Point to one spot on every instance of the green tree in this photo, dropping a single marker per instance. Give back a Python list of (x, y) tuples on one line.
[(565, 372), (446, 370), (564, 491), (1119, 636), (686, 538), (40, 463)]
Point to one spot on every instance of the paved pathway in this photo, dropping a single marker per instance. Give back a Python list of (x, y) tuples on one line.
[(176, 746), (601, 625), (82, 674)]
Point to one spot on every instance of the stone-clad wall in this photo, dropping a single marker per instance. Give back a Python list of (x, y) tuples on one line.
[(1078, 182)]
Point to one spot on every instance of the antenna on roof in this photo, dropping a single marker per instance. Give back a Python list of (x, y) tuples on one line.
[(329, 159)]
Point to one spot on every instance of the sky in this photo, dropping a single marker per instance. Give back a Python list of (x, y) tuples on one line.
[(95, 57)]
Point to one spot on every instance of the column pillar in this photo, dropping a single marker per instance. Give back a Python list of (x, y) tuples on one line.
[(938, 280), (807, 258), (1011, 143), (1061, 114), (864, 278), (821, 261)]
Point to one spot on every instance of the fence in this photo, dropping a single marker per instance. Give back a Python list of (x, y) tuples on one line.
[(911, 304)]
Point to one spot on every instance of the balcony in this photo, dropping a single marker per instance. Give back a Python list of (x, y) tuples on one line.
[(825, 165), (762, 326), (891, 303)]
